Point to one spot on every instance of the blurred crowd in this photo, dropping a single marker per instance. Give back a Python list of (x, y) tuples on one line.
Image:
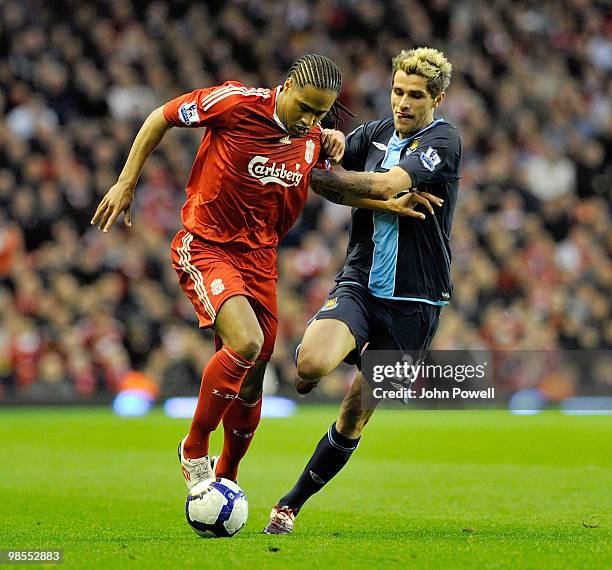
[(530, 94)]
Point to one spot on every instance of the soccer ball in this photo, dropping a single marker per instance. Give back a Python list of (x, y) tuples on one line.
[(216, 507)]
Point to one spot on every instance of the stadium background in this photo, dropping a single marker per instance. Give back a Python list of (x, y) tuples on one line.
[(79, 310)]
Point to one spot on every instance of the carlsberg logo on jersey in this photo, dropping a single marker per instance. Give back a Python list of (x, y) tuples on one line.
[(265, 173)]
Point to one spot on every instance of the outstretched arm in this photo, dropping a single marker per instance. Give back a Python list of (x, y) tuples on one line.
[(119, 198), (404, 204), (372, 185), (381, 191)]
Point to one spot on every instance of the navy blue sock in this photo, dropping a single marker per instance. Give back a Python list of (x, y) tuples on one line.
[(330, 455)]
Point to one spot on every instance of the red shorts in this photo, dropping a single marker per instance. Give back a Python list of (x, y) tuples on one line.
[(209, 274)]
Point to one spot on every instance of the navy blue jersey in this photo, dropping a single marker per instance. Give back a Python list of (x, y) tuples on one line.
[(397, 257)]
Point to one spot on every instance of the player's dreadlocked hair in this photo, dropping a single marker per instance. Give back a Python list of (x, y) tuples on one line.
[(322, 73), (316, 70), (428, 63)]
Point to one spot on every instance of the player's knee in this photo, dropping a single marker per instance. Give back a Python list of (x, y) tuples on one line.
[(313, 364), (247, 344)]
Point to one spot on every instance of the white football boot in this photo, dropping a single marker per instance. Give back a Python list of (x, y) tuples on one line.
[(196, 470), (281, 520)]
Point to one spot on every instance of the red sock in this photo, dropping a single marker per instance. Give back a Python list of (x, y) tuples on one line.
[(239, 424), (221, 382)]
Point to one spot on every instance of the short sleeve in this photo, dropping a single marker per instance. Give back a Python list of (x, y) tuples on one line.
[(356, 150), (429, 160), (210, 107)]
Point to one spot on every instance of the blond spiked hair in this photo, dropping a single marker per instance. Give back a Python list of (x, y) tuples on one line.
[(428, 63)]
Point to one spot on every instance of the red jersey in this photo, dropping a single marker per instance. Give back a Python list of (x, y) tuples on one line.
[(249, 181)]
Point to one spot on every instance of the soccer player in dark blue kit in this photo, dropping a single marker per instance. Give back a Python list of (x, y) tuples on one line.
[(396, 276)]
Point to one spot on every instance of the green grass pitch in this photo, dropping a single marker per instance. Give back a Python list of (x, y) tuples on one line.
[(424, 490)]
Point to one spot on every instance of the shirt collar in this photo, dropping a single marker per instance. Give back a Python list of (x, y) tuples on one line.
[(404, 141), (276, 117)]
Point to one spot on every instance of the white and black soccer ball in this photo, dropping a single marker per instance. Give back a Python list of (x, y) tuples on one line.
[(216, 507)]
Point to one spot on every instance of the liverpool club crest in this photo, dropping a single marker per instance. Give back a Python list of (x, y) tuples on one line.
[(309, 152)]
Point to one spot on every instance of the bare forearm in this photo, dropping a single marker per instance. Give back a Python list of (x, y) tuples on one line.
[(351, 201), (149, 136), (342, 184), (369, 204)]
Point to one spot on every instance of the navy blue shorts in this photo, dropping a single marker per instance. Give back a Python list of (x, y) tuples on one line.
[(380, 324)]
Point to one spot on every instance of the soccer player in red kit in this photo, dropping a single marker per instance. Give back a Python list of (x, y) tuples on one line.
[(248, 185)]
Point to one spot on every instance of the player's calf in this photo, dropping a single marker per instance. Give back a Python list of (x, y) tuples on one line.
[(352, 418), (329, 457), (304, 387)]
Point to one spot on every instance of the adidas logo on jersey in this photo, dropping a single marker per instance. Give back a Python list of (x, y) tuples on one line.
[(272, 173), (285, 140)]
